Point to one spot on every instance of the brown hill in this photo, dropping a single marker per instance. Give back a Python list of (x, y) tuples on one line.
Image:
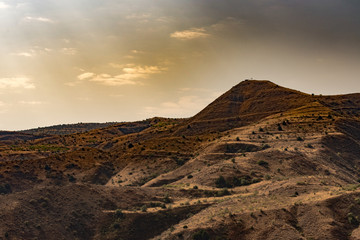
[(246, 102), (260, 162)]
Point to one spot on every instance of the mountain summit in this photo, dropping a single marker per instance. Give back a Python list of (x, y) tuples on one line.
[(244, 103)]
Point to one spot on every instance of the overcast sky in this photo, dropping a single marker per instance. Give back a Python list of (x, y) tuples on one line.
[(108, 60)]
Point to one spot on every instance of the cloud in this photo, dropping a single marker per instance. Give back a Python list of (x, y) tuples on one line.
[(38, 19), (185, 106), (31, 102), (137, 51), (121, 66), (228, 24), (139, 16), (36, 50), (85, 75), (118, 80), (143, 71), (69, 51), (190, 34), (214, 93), (129, 76), (71, 84), (16, 82), (24, 54), (3, 5)]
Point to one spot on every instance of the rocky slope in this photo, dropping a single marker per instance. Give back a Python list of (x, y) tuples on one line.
[(260, 162)]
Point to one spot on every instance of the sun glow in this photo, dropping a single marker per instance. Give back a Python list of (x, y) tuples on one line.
[(62, 52)]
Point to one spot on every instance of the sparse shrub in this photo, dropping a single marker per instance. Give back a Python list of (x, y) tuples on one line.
[(279, 127), (351, 187), (267, 177), (295, 194), (220, 182), (190, 176), (201, 235), (115, 225), (180, 162), (261, 129), (195, 187), (255, 180), (224, 192), (309, 145), (167, 199), (243, 181), (300, 139), (263, 163), (352, 219), (119, 213), (144, 208), (5, 188), (71, 178), (237, 139), (265, 146), (233, 160)]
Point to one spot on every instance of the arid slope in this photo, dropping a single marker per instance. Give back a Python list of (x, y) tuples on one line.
[(260, 162)]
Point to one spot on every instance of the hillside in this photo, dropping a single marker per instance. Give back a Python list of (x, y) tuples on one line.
[(260, 162), (64, 129)]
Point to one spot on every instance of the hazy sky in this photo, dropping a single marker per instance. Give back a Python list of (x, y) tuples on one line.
[(119, 60)]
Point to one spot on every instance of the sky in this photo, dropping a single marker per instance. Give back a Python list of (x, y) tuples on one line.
[(123, 60)]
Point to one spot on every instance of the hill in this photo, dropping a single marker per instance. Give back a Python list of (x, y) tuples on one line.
[(260, 162), (64, 129)]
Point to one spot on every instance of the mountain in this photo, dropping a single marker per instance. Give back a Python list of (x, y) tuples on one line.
[(260, 162), (246, 102)]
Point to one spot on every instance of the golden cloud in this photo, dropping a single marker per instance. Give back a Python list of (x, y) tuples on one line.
[(130, 74), (190, 34), (16, 82)]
